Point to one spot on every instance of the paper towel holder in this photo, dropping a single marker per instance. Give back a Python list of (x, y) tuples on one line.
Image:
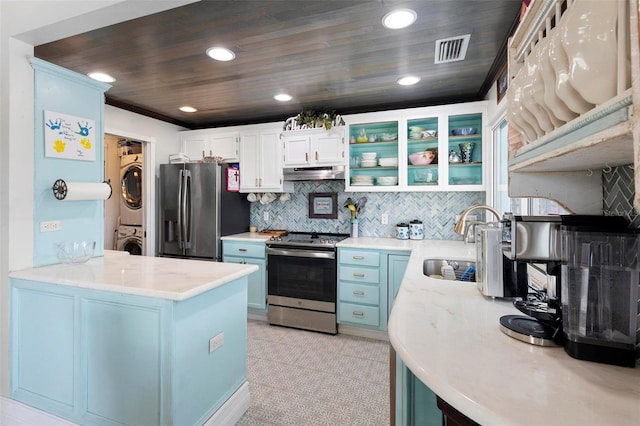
[(61, 190)]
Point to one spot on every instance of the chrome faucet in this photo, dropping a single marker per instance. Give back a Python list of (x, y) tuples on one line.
[(462, 229)]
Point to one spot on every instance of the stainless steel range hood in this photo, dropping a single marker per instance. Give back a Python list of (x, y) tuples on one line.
[(314, 173)]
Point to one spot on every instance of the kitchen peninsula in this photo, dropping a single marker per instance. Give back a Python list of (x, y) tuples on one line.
[(448, 335), (132, 340)]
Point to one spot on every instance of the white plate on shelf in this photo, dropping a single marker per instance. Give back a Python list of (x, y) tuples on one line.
[(362, 184), (368, 163), (387, 183), (388, 162)]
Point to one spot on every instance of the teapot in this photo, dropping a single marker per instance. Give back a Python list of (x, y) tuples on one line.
[(454, 157)]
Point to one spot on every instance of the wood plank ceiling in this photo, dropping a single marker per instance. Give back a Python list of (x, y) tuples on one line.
[(327, 54)]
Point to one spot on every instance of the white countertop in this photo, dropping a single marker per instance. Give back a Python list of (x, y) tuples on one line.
[(380, 243), (448, 334), (159, 277), (253, 237)]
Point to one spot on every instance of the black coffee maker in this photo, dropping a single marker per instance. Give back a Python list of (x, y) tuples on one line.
[(532, 245)]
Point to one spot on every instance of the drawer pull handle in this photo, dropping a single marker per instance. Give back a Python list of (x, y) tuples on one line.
[(358, 257), (242, 249), (358, 293), (359, 275), (358, 313)]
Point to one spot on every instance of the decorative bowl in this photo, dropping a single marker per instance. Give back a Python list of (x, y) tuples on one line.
[(75, 251), (429, 133), (388, 136), (421, 158), (464, 131)]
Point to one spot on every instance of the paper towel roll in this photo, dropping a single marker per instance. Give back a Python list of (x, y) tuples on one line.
[(72, 191)]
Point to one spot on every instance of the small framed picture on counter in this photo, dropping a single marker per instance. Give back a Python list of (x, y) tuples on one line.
[(323, 205)]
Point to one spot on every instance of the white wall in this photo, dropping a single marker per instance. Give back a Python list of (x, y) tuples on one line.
[(165, 134)]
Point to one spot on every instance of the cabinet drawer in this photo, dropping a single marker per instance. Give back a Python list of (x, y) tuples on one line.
[(238, 248), (359, 314), (359, 293), (357, 257), (354, 273)]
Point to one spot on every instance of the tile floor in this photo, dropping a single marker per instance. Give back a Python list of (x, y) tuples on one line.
[(301, 378), (14, 413)]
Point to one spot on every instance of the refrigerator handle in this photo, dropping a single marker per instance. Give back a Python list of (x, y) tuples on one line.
[(180, 217), (187, 209)]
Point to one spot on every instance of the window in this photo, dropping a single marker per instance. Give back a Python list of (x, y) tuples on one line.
[(502, 201)]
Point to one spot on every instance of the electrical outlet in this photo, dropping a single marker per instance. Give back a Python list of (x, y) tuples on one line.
[(266, 216), (384, 218), (50, 226), (216, 342)]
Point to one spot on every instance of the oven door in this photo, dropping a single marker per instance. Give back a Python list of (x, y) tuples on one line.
[(297, 273)]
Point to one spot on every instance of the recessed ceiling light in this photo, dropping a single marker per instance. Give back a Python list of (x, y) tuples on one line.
[(100, 76), (399, 18), (187, 108), (408, 80), (221, 53), (282, 97)]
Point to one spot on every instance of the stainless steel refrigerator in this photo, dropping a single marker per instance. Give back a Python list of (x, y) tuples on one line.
[(196, 210)]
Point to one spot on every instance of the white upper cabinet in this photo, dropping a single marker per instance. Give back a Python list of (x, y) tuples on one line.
[(225, 145), (261, 162), (198, 144), (440, 148), (314, 148)]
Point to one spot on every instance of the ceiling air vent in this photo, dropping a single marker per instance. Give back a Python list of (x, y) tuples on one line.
[(451, 49)]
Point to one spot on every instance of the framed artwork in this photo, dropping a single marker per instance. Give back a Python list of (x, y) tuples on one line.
[(323, 205), (69, 137), (502, 83)]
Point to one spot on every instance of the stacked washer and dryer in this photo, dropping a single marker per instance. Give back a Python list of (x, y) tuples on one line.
[(130, 234)]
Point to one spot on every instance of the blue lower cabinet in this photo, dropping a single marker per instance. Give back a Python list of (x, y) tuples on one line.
[(397, 265), (358, 314), (101, 358), (415, 402), (250, 254), (362, 289)]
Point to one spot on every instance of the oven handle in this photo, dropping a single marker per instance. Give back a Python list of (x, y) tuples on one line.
[(301, 253)]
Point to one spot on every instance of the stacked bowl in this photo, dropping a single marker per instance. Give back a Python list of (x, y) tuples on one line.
[(369, 159), (362, 180), (388, 162), (387, 180)]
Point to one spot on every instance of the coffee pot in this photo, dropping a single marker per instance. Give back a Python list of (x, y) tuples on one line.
[(601, 276)]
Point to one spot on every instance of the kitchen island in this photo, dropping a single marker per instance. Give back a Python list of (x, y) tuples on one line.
[(449, 336), (131, 340)]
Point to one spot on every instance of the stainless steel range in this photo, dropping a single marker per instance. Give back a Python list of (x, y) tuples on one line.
[(302, 272)]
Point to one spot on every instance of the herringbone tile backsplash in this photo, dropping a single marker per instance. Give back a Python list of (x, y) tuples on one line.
[(436, 209), (618, 191)]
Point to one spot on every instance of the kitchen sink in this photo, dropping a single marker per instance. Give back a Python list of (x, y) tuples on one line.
[(432, 268)]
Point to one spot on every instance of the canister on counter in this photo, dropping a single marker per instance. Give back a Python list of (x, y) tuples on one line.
[(402, 231), (416, 230)]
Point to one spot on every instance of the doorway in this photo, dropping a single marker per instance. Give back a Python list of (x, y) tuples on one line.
[(129, 219)]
